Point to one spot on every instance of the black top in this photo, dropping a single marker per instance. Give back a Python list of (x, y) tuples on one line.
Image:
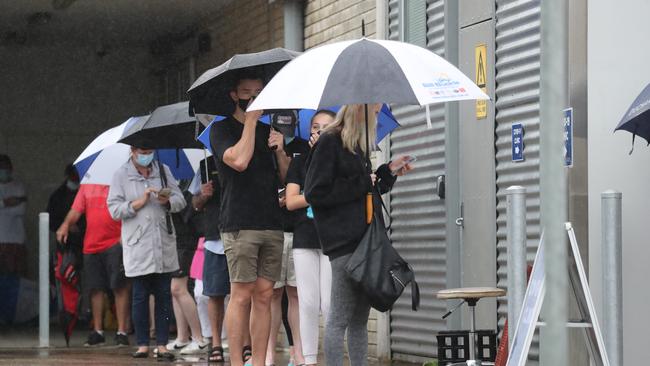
[(187, 235), (336, 186), (211, 210), (58, 206), (297, 147), (304, 231), (249, 200)]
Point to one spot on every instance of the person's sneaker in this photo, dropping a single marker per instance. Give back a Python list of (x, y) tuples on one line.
[(122, 340), (195, 348), (95, 339), (176, 346)]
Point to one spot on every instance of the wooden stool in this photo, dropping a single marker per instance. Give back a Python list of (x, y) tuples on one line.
[(470, 295)]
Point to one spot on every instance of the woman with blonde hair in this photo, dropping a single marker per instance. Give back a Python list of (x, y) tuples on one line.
[(336, 186)]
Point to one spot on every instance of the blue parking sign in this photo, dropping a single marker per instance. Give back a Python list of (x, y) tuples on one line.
[(517, 142), (568, 137)]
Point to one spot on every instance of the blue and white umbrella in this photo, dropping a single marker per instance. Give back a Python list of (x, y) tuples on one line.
[(101, 159), (386, 123)]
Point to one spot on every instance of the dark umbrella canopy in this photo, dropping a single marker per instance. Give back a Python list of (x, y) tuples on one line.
[(637, 118), (168, 127), (210, 92)]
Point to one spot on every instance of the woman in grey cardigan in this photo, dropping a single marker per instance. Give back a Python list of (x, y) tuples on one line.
[(136, 197)]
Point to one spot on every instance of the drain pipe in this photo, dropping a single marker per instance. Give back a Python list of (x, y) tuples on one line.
[(294, 29)]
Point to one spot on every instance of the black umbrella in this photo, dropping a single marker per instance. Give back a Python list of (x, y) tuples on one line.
[(168, 127), (210, 92), (637, 118)]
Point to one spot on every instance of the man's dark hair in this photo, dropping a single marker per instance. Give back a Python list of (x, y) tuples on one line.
[(246, 74), (6, 161), (322, 111)]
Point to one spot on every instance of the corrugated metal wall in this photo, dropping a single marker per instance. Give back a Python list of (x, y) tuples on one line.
[(418, 214), (517, 101)]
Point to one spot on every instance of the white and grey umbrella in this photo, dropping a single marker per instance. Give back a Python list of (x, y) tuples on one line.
[(366, 71)]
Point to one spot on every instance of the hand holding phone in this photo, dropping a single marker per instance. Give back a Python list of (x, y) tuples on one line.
[(397, 166), (165, 192)]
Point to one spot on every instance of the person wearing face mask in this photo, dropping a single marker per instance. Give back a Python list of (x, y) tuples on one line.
[(12, 230), (103, 270), (61, 200), (142, 195)]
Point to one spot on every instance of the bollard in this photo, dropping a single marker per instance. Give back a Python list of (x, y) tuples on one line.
[(43, 279), (516, 241), (612, 240)]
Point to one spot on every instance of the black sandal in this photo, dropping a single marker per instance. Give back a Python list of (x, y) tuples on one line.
[(247, 353), (166, 356), (216, 355)]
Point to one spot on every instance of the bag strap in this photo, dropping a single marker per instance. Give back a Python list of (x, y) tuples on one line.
[(163, 181), (415, 295), (376, 192)]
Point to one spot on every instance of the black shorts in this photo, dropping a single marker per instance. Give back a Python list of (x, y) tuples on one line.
[(216, 281), (104, 270), (185, 257)]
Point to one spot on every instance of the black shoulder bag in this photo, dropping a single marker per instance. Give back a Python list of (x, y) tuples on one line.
[(378, 269)]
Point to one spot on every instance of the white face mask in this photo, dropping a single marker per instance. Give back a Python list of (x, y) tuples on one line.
[(73, 186)]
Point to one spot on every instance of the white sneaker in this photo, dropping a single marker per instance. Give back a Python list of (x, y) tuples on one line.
[(195, 348), (176, 346)]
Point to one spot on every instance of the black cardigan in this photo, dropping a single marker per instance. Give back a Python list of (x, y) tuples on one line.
[(336, 186)]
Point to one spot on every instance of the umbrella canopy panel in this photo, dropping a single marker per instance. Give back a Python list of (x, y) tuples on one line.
[(210, 93)]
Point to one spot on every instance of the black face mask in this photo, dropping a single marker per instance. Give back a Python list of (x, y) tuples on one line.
[(243, 104)]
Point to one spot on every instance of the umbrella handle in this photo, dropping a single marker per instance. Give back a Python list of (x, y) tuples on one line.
[(369, 208), (205, 159)]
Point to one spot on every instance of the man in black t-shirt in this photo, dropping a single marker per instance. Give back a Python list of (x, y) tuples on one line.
[(251, 219)]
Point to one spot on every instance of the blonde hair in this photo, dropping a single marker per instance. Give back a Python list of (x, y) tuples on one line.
[(350, 123)]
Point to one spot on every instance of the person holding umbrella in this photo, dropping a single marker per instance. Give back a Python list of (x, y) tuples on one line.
[(336, 186), (141, 195), (251, 219)]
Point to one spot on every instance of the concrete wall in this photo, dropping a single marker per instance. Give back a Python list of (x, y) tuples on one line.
[(617, 72), (55, 100), (335, 20)]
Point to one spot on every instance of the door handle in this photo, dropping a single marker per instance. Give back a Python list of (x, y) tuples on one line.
[(460, 222)]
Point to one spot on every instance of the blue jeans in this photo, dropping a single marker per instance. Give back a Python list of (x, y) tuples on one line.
[(158, 285)]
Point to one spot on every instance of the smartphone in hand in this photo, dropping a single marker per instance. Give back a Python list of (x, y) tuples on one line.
[(411, 159), (165, 192)]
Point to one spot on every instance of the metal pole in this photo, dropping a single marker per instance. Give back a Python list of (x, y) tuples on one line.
[(516, 228), (44, 279), (612, 239), (553, 182)]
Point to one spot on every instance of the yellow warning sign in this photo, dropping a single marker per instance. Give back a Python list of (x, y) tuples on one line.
[(480, 53)]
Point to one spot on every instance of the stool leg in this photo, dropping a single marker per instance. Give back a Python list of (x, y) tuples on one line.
[(472, 334)]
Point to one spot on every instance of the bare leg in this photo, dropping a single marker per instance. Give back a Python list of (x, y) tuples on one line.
[(187, 307), (237, 319), (97, 307), (261, 319), (216, 314), (276, 321), (122, 305), (294, 321)]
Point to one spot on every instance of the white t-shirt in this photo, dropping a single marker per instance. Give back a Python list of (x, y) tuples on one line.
[(12, 227)]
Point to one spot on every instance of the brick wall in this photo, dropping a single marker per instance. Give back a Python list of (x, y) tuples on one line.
[(334, 20), (231, 34)]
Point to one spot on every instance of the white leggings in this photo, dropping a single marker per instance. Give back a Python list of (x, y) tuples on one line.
[(202, 307), (314, 280)]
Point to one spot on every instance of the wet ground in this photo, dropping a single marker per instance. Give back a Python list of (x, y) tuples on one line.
[(19, 346)]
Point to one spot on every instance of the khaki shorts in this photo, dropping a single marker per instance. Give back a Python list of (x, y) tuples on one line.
[(288, 273), (253, 253)]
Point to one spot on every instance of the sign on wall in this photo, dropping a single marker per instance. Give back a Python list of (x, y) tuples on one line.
[(481, 78), (517, 142)]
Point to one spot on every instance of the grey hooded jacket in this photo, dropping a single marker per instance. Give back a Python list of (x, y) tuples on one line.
[(147, 245)]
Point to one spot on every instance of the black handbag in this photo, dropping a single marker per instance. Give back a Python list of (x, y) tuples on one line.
[(378, 269)]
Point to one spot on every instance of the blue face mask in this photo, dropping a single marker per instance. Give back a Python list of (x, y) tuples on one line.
[(144, 159)]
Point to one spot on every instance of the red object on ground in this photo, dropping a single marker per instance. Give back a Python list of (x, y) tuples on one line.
[(102, 232), (502, 353)]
